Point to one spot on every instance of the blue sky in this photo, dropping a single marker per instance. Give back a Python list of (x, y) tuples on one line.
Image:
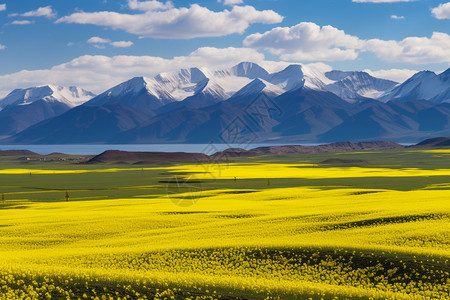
[(98, 43)]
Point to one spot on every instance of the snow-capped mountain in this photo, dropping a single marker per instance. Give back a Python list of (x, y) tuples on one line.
[(258, 87), (163, 89), (199, 87), (357, 85), (425, 85), (70, 96), (138, 92), (288, 79), (193, 105), (249, 70), (23, 108)]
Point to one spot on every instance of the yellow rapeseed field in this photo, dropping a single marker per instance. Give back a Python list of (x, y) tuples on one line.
[(270, 242)]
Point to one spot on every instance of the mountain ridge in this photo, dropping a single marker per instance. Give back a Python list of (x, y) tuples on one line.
[(197, 105)]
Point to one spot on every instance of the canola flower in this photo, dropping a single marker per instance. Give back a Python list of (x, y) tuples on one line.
[(259, 170), (259, 243)]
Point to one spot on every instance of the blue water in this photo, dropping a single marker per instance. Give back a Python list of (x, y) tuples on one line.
[(97, 149)]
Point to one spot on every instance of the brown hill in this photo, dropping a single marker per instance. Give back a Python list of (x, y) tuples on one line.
[(434, 143), (17, 153), (117, 156), (333, 147)]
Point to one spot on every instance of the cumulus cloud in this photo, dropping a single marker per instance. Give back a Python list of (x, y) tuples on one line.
[(381, 1), (177, 23), (21, 22), (122, 44), (149, 5), (230, 2), (398, 75), (306, 42), (442, 11), (310, 42), (46, 11), (101, 42), (99, 73), (2, 47), (395, 17), (2, 7), (416, 50), (98, 40)]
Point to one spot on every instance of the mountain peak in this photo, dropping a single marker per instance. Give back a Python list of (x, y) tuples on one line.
[(258, 86), (424, 85), (250, 70), (294, 68), (423, 74), (357, 85), (290, 78), (192, 75), (134, 86), (337, 75), (71, 96), (445, 76)]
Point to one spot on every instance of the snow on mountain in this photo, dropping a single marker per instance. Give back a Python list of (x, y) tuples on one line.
[(424, 85), (213, 89), (354, 85), (171, 87), (236, 77), (138, 92), (250, 70), (315, 77), (258, 86), (182, 84), (298, 76), (288, 79), (211, 86), (132, 86), (71, 96)]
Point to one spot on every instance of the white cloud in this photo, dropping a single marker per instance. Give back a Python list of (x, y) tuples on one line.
[(21, 22), (306, 42), (381, 1), (395, 17), (98, 40), (178, 23), (398, 75), (416, 50), (100, 43), (47, 12), (70, 44), (98, 73), (230, 2), (122, 44), (442, 11), (2, 7), (149, 5), (310, 42), (2, 47)]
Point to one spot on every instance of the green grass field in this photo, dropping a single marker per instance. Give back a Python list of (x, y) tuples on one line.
[(367, 225)]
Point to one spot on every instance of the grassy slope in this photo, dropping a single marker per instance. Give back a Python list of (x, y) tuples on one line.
[(370, 225)]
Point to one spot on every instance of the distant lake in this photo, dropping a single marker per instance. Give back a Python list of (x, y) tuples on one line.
[(97, 149)]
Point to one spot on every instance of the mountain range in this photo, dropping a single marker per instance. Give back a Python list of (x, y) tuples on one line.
[(239, 105), (23, 108)]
